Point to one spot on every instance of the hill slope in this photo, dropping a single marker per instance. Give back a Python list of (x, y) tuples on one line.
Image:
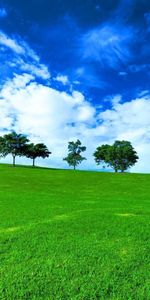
[(74, 235)]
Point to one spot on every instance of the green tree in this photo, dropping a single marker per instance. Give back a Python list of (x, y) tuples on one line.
[(3, 152), (120, 156), (36, 150), (14, 144), (74, 156)]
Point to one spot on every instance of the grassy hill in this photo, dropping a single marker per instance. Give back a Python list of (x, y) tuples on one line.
[(74, 235)]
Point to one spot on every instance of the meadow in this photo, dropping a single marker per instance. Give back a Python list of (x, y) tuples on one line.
[(74, 235)]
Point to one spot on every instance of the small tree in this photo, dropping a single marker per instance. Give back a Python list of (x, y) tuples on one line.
[(74, 156), (120, 156), (14, 144), (36, 150)]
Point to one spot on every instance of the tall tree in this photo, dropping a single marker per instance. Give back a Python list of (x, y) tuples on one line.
[(74, 156), (120, 156), (36, 150), (14, 144)]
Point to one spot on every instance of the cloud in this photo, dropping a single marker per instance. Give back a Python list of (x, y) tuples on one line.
[(108, 44), (44, 113), (34, 68), (63, 79), (39, 71), (22, 58), (144, 94), (130, 121), (11, 43), (18, 45), (55, 117), (3, 12)]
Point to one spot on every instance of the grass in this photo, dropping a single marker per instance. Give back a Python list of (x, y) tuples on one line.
[(74, 235)]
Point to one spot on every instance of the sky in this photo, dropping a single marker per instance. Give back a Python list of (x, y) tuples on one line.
[(75, 69)]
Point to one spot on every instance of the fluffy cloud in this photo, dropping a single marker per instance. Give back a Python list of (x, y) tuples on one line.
[(130, 121), (55, 117), (44, 113)]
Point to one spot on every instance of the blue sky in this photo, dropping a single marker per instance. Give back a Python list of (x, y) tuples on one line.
[(76, 69)]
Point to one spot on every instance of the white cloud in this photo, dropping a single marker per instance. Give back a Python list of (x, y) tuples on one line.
[(11, 43), (45, 113), (18, 45), (40, 70), (23, 57), (130, 121), (37, 69), (113, 99), (63, 79), (145, 94), (56, 117)]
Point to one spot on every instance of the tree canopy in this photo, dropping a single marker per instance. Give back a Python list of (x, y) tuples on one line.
[(18, 145), (2, 147), (74, 157), (14, 144), (120, 156), (36, 150)]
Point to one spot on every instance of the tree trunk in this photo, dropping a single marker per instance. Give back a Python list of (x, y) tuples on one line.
[(74, 167), (116, 171), (33, 164), (14, 158)]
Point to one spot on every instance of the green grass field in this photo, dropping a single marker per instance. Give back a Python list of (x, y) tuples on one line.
[(74, 235)]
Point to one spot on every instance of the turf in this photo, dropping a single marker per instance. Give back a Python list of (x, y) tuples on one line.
[(74, 235)]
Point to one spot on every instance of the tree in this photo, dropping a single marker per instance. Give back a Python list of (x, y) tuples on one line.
[(14, 144), (120, 156), (74, 156), (36, 150), (3, 152)]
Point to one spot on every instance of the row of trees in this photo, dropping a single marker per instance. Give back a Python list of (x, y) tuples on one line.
[(120, 156), (19, 145)]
